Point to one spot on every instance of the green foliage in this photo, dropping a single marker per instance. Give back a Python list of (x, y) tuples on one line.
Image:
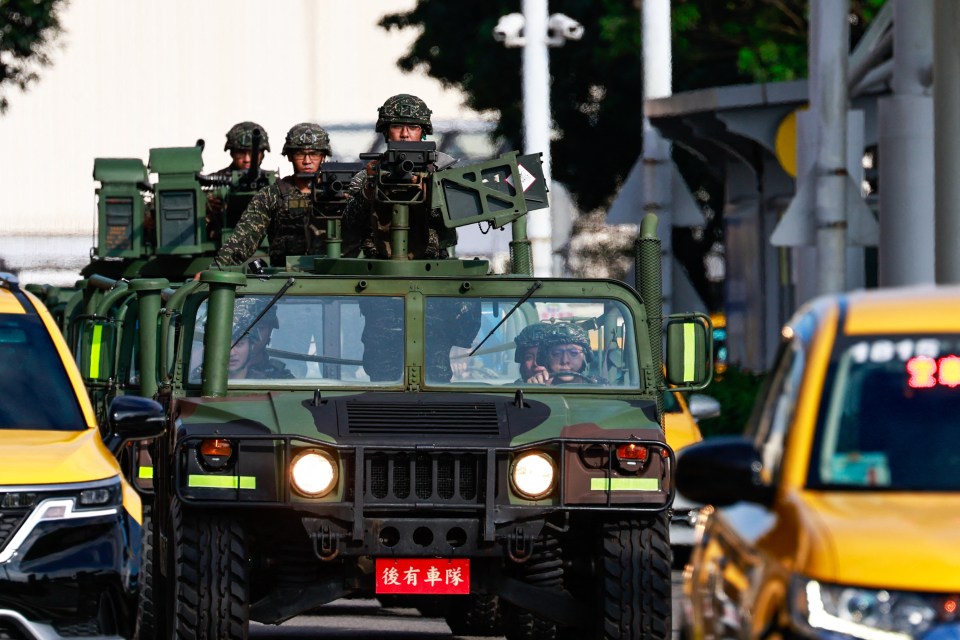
[(736, 390), (27, 29), (597, 82)]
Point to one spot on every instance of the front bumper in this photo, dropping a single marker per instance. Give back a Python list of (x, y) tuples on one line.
[(63, 567), (426, 500)]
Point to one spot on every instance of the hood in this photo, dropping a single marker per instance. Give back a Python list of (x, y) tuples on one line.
[(54, 457), (904, 541)]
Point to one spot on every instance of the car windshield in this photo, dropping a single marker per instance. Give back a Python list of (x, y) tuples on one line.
[(37, 391), (578, 342), (326, 340), (360, 340), (890, 415)]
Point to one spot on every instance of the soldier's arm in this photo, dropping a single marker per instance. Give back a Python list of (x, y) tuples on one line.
[(250, 229)]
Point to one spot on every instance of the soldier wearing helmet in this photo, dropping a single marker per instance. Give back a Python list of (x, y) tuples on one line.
[(240, 145), (366, 223), (563, 354), (528, 343), (280, 211)]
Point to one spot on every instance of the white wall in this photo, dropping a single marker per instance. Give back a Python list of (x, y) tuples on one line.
[(129, 75)]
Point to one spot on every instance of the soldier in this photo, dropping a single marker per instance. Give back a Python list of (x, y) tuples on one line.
[(366, 225), (240, 145), (248, 357), (563, 355), (281, 210), (528, 342)]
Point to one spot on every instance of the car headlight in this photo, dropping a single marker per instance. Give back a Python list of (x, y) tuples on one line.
[(314, 473), (533, 474), (872, 614)]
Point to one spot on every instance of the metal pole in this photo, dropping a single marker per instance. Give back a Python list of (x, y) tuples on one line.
[(946, 106), (829, 39), (537, 124), (658, 83), (906, 145)]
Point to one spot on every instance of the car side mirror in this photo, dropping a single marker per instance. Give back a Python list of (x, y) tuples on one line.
[(133, 418), (689, 357), (721, 471), (703, 407)]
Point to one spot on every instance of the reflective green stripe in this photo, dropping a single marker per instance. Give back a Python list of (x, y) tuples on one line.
[(145, 473), (689, 352), (95, 350), (624, 484), (222, 482)]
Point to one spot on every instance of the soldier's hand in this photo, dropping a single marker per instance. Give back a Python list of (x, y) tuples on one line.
[(540, 376)]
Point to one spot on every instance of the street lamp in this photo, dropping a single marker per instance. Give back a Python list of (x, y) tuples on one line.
[(534, 30)]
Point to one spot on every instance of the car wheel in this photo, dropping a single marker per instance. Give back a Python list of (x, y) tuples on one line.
[(634, 577), (543, 569), (148, 609), (475, 615), (211, 577)]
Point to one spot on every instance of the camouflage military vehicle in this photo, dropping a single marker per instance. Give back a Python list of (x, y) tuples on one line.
[(359, 427)]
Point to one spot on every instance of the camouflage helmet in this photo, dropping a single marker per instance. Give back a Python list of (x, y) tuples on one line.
[(531, 336), (246, 310), (240, 137), (404, 109), (307, 135), (564, 333)]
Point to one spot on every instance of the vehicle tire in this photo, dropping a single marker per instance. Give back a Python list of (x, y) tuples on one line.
[(475, 615), (635, 581), (211, 590), (543, 569), (148, 607)]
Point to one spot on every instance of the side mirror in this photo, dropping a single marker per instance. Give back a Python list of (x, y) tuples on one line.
[(689, 361), (133, 418), (721, 471), (703, 407)]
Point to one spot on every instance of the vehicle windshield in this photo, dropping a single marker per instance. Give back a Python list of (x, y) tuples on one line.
[(326, 340), (890, 415), (37, 391), (360, 340), (578, 342)]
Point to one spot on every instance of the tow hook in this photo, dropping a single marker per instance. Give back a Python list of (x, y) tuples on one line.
[(326, 544), (519, 546)]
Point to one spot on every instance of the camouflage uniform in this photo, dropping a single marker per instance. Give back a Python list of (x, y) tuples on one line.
[(366, 224), (279, 212), (262, 367), (239, 138)]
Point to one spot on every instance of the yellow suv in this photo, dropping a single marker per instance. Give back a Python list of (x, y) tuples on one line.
[(70, 525), (837, 515)]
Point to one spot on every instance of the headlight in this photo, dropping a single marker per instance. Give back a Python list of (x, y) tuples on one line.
[(872, 614), (314, 473), (533, 475)]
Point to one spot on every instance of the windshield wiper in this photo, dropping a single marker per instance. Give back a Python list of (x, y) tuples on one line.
[(279, 294), (536, 285)]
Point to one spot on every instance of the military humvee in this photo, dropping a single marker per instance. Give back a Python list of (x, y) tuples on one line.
[(383, 441)]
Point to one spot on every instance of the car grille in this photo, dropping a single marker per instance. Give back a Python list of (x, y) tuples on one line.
[(422, 419), (10, 521), (448, 479)]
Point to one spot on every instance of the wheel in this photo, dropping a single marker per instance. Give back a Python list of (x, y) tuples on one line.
[(475, 615), (634, 580), (148, 625), (543, 569), (211, 590)]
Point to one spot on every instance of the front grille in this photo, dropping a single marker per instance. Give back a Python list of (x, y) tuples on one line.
[(442, 478), (422, 418), (10, 521)]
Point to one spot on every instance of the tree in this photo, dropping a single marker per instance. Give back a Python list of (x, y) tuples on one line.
[(597, 82), (27, 30)]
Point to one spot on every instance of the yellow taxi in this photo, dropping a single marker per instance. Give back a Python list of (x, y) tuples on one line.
[(838, 514), (70, 524)]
